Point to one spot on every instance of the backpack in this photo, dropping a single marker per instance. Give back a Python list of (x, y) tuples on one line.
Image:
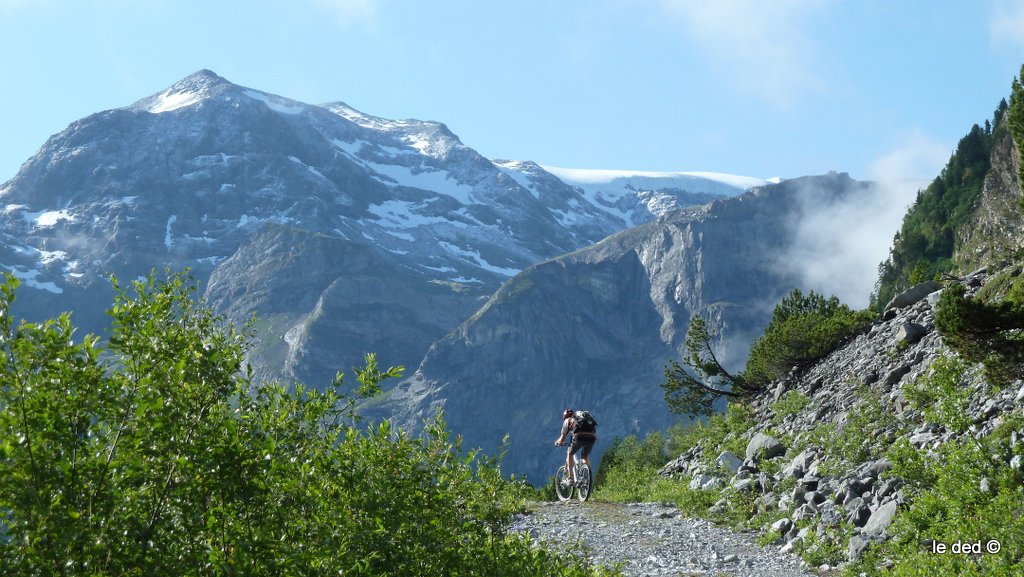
[(585, 422)]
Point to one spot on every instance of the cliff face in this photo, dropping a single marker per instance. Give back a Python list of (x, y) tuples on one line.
[(997, 228), (331, 301), (595, 328)]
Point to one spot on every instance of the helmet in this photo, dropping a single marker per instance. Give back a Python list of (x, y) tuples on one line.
[(567, 414)]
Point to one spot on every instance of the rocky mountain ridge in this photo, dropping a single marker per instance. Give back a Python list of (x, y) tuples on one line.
[(202, 173)]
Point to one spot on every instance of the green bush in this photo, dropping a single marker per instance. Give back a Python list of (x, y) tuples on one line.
[(156, 456), (802, 329), (991, 333), (790, 403)]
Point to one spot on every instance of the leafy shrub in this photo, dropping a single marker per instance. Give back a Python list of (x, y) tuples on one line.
[(630, 453), (861, 437), (790, 403), (155, 456), (802, 329), (942, 395), (981, 332)]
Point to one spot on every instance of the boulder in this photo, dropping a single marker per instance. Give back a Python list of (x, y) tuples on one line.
[(729, 460), (856, 547), (705, 482), (782, 526), (880, 519), (910, 333), (764, 446), (913, 295)]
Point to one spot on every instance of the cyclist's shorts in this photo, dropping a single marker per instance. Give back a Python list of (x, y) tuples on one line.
[(577, 443)]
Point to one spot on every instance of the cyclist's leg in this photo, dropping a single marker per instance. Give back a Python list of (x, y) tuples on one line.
[(569, 469), (569, 465), (587, 447)]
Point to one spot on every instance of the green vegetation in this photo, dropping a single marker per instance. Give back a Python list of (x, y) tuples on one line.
[(1015, 122), (802, 329), (155, 456), (629, 469), (790, 403), (868, 429), (962, 492), (923, 248), (991, 333)]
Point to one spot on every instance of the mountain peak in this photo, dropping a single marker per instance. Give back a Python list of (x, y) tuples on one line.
[(190, 90), (203, 79)]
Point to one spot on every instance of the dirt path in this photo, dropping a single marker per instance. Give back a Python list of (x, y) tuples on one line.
[(650, 539)]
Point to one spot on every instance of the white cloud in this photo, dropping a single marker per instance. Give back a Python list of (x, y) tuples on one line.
[(839, 243), (350, 12), (1007, 23), (916, 155), (763, 47)]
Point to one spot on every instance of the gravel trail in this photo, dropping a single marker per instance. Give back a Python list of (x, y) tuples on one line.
[(651, 539)]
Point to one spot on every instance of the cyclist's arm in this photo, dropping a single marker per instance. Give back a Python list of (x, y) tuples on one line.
[(565, 431)]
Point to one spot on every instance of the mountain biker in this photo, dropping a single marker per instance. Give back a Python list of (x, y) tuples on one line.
[(581, 439)]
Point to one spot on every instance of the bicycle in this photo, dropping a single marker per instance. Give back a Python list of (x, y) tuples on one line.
[(582, 485)]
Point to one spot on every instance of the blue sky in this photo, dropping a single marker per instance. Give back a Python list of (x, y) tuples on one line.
[(752, 87)]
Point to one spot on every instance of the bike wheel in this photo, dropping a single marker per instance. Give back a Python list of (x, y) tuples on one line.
[(583, 483), (562, 488)]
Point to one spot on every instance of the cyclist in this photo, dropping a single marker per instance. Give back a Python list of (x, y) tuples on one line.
[(583, 437)]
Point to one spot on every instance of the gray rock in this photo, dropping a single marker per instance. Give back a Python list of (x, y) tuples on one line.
[(880, 519), (856, 547), (782, 526), (805, 511), (875, 468), (800, 464), (763, 446), (888, 488), (729, 460), (921, 439), (910, 333), (913, 295), (894, 376), (859, 513), (743, 485), (705, 482), (1017, 463), (828, 514)]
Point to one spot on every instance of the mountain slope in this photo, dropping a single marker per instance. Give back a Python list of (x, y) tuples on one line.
[(188, 176), (594, 328)]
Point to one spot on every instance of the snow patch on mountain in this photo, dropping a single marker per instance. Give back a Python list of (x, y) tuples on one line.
[(517, 171), (29, 278), (276, 103), (169, 101), (633, 195), (402, 214), (591, 176), (418, 175), (45, 218)]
